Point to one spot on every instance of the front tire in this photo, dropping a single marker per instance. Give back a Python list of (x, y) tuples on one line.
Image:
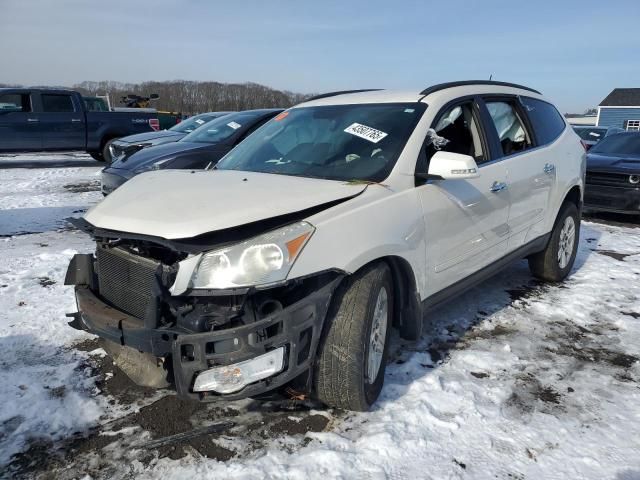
[(353, 353), (106, 153), (555, 262)]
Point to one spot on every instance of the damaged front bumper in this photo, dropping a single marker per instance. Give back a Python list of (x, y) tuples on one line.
[(293, 328)]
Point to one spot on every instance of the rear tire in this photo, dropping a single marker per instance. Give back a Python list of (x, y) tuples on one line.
[(555, 262), (353, 352)]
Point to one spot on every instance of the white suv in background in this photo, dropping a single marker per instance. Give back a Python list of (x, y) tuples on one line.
[(289, 261)]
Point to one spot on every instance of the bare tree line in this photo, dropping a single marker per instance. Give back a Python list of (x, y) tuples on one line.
[(190, 97)]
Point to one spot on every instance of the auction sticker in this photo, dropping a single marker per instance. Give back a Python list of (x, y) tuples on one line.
[(234, 125), (365, 132)]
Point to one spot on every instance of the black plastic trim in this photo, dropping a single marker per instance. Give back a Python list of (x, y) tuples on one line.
[(463, 83), (534, 246)]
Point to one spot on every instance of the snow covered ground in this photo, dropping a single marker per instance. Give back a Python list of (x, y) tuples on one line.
[(517, 380), (46, 160)]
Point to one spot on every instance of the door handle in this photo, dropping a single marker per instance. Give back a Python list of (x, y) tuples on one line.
[(32, 120), (74, 120), (549, 168), (498, 187)]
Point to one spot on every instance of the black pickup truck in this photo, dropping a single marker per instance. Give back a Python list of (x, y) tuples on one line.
[(37, 119)]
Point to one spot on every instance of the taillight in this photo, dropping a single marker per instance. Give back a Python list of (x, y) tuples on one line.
[(154, 123)]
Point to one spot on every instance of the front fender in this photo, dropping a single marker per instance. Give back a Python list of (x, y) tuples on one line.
[(378, 223)]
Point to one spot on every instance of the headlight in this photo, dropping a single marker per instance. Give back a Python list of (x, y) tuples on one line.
[(152, 166), (115, 152), (261, 260)]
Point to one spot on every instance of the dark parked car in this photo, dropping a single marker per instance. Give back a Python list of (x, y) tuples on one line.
[(592, 135), (206, 144), (127, 146), (613, 174), (37, 119)]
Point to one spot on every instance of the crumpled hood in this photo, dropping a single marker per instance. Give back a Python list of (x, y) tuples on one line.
[(153, 137), (175, 204), (613, 163)]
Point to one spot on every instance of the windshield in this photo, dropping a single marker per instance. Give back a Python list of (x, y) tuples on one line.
[(620, 144), (337, 142), (190, 124), (593, 134), (222, 128)]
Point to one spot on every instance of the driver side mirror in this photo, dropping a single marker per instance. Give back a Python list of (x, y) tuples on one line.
[(451, 166)]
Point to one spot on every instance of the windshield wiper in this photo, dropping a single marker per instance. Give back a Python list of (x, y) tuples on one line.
[(359, 181)]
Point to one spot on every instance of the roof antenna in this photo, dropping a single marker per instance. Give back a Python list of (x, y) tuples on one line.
[(490, 77)]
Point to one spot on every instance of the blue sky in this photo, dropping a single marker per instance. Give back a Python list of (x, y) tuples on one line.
[(575, 52)]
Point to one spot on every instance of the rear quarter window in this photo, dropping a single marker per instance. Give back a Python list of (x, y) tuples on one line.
[(547, 122)]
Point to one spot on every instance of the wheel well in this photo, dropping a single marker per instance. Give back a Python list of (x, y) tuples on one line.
[(574, 196), (407, 315)]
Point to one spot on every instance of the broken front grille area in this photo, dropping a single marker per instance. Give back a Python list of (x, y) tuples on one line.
[(134, 276)]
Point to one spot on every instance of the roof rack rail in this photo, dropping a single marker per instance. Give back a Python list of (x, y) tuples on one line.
[(341, 92), (443, 86)]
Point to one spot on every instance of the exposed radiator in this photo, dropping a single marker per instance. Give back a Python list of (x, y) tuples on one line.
[(125, 280)]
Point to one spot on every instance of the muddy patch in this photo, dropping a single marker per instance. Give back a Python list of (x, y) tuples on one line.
[(499, 330), (46, 281), (616, 255), (204, 446), (300, 425), (588, 345), (525, 292), (87, 345), (594, 354), (57, 392), (167, 416), (158, 425), (113, 382), (529, 395), (81, 187)]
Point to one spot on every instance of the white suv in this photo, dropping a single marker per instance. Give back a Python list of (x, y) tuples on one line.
[(287, 263)]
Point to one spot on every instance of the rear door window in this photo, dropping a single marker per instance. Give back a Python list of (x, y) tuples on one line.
[(15, 102), (512, 133), (56, 103), (545, 119)]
